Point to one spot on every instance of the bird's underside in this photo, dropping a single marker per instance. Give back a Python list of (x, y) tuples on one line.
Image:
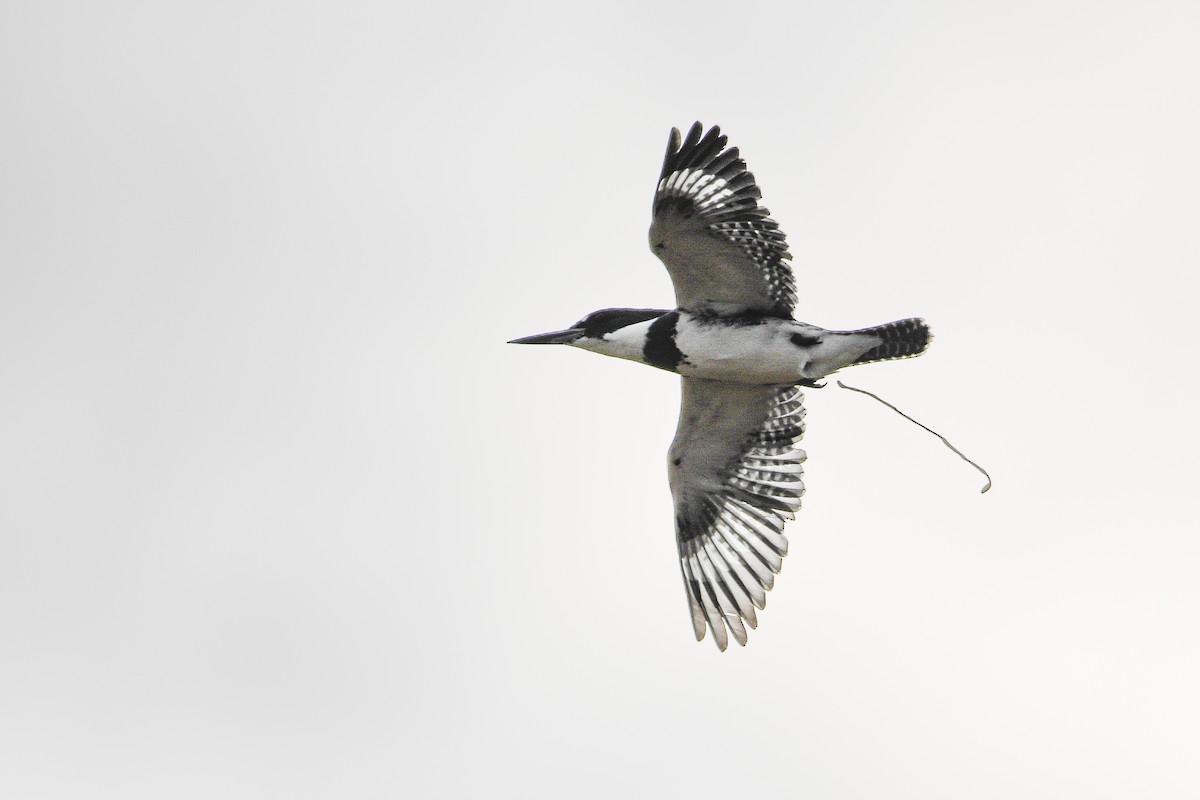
[(735, 465)]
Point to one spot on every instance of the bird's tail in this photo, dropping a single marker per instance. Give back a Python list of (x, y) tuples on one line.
[(901, 339)]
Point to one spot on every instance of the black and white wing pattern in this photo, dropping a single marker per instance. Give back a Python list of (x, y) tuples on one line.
[(722, 249), (736, 477)]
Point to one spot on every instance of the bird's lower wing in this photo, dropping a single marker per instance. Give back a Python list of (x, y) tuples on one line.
[(736, 477)]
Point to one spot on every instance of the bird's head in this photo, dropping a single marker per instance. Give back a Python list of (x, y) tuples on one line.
[(603, 331)]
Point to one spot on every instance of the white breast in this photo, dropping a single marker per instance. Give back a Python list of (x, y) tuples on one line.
[(761, 353)]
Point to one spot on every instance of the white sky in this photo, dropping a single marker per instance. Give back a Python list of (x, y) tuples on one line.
[(281, 515)]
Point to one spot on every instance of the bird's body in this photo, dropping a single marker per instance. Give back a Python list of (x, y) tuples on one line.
[(734, 467), (746, 348)]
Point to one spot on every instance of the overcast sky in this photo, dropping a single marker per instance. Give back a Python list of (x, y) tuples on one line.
[(282, 515)]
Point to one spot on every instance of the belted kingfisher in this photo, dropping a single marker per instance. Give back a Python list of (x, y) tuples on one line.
[(734, 468)]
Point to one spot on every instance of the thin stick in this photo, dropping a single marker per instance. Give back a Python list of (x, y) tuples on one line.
[(945, 441)]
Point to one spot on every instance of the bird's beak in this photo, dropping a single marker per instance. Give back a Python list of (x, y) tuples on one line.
[(554, 337)]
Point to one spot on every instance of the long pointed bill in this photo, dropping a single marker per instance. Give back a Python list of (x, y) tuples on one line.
[(554, 337)]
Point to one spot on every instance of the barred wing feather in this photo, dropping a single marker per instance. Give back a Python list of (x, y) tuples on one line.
[(736, 477), (723, 251)]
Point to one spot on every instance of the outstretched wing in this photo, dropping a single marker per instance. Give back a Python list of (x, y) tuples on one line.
[(736, 477), (722, 249)]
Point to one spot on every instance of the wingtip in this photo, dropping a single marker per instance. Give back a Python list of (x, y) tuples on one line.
[(674, 139), (737, 629), (697, 129), (720, 636), (698, 626), (693, 137)]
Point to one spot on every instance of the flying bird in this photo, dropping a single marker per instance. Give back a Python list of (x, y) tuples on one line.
[(735, 467)]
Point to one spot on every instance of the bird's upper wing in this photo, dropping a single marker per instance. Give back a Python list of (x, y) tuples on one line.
[(736, 477), (722, 249)]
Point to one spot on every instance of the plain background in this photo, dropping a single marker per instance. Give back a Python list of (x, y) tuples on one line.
[(282, 515)]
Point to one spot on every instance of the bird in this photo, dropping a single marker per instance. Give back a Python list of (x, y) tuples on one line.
[(735, 468)]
